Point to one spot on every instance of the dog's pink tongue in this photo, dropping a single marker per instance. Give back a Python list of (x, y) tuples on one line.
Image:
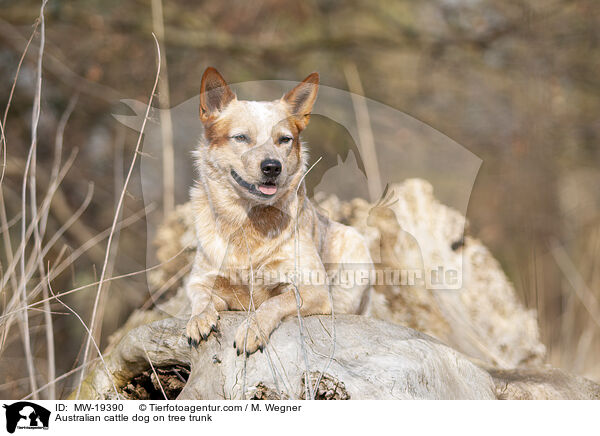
[(267, 190)]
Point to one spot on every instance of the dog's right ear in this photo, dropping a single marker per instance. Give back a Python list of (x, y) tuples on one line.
[(302, 98), (215, 94)]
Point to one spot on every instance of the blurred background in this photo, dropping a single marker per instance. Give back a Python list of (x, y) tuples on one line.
[(515, 82)]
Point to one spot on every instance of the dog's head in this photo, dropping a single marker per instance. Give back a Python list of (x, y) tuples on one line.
[(253, 147)]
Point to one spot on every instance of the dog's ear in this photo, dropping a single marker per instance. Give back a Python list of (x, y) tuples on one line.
[(302, 98), (215, 94)]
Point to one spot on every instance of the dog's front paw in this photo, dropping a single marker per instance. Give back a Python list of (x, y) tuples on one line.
[(249, 338), (200, 326)]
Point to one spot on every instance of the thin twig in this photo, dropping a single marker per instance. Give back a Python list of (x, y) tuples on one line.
[(10, 96), (75, 255), (155, 295), (166, 123), (365, 132), (333, 340), (55, 380), (252, 308), (119, 206), (62, 72), (58, 147), (154, 371), (582, 291), (108, 373), (45, 205), (31, 165), (9, 223), (6, 318), (309, 393)]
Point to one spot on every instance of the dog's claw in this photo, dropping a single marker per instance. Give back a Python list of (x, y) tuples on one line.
[(200, 326), (250, 340), (192, 342)]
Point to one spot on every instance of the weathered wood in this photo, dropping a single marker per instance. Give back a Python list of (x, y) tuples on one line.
[(373, 360)]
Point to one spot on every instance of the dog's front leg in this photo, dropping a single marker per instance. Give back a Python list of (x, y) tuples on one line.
[(205, 307), (312, 299)]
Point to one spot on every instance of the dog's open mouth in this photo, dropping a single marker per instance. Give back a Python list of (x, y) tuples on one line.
[(267, 189)]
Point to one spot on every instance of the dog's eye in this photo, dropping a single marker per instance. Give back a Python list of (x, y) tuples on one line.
[(285, 139), (240, 138)]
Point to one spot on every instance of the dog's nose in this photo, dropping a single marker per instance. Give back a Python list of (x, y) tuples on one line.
[(270, 167)]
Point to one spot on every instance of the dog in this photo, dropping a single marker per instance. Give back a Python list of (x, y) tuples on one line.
[(252, 217)]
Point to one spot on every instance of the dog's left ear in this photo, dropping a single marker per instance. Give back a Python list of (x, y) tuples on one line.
[(302, 98), (215, 94)]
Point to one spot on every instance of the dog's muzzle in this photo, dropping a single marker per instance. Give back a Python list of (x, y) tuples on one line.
[(264, 190)]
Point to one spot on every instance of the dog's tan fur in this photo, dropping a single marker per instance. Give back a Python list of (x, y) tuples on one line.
[(239, 230)]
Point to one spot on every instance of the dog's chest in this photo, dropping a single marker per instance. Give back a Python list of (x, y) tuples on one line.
[(240, 249)]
